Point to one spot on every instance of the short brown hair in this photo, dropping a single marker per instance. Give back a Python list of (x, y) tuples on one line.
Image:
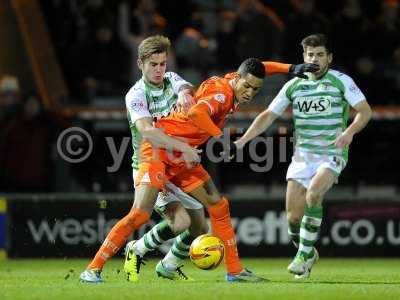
[(316, 40), (153, 44)]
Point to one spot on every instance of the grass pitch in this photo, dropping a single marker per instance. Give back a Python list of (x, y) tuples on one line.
[(331, 279)]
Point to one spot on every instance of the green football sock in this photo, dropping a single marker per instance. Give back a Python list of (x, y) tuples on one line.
[(154, 238), (309, 228), (294, 233), (179, 250)]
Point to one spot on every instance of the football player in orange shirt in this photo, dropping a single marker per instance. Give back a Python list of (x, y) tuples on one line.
[(215, 99)]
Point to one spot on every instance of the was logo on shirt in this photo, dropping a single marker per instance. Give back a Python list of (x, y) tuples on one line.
[(313, 105)]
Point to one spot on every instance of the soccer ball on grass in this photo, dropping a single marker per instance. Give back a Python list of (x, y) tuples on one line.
[(207, 252)]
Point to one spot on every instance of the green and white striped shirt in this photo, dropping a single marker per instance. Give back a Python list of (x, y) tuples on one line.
[(320, 110), (146, 100)]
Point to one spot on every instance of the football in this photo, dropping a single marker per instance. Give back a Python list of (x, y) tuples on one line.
[(207, 252)]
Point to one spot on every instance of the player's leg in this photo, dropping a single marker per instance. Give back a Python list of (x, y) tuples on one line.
[(176, 218), (170, 266), (172, 207), (175, 221), (295, 205), (145, 196), (312, 219), (179, 212), (321, 182), (138, 215), (195, 210), (180, 248), (218, 209)]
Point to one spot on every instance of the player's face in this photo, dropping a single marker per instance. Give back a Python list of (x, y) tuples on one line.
[(153, 68), (247, 87), (320, 56)]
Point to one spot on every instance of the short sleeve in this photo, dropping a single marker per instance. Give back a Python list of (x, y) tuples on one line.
[(215, 96), (281, 101), (136, 104), (352, 93), (176, 81)]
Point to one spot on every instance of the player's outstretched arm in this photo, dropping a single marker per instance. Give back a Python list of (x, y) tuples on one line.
[(200, 115), (272, 67), (361, 119), (161, 140), (259, 125)]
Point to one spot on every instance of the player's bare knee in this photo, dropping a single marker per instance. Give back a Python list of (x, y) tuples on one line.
[(197, 229), (180, 222), (293, 217), (142, 206), (205, 228), (210, 200), (210, 194), (313, 197), (177, 217)]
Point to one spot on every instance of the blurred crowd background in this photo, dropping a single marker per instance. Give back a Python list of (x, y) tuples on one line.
[(96, 41)]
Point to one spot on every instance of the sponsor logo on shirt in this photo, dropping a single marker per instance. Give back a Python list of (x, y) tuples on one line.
[(169, 93), (137, 106), (354, 89), (313, 105), (176, 77), (322, 87)]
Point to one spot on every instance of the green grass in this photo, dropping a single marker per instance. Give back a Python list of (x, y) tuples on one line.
[(331, 279)]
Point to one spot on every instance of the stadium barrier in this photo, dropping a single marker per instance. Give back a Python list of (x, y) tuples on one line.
[(72, 226)]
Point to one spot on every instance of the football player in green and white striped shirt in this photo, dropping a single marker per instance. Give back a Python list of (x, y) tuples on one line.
[(320, 106), (155, 95)]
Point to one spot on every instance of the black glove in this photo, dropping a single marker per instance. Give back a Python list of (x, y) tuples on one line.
[(299, 70)]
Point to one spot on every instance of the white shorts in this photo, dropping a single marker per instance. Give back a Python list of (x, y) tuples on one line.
[(305, 165), (172, 194)]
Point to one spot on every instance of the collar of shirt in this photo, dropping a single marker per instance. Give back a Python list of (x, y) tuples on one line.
[(154, 89)]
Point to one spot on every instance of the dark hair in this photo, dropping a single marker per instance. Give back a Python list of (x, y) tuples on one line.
[(254, 66), (316, 40)]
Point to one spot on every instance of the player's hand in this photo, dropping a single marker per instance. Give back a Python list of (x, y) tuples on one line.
[(299, 70), (191, 156), (184, 101), (343, 140), (229, 151)]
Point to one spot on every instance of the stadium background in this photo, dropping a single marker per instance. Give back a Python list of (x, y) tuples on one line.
[(69, 63)]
